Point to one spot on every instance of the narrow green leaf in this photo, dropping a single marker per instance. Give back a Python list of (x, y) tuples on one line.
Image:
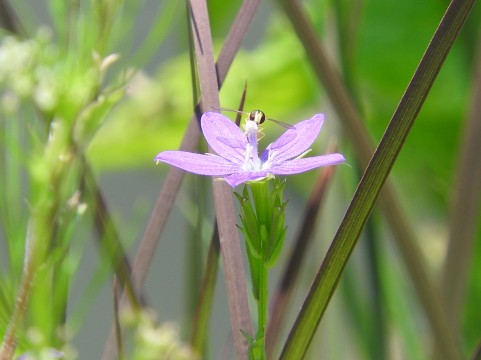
[(371, 184)]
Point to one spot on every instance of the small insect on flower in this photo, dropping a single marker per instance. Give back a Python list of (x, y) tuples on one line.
[(258, 117)]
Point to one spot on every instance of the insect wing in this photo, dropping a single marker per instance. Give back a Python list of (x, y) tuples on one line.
[(283, 124)]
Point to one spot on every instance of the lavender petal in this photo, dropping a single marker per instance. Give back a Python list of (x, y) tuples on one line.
[(286, 147), (241, 177), (224, 136), (304, 164), (200, 164)]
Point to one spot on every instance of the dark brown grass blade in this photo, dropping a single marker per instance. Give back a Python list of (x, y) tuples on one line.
[(201, 316), (193, 70), (403, 234), (465, 209), (8, 19), (108, 237), (477, 352), (223, 200), (174, 177), (118, 328), (283, 295), (238, 117), (200, 329), (235, 38)]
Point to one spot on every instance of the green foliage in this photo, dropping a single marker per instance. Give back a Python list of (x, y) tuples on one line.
[(107, 84), (63, 83)]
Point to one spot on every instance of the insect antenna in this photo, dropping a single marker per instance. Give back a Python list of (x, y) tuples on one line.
[(256, 114)]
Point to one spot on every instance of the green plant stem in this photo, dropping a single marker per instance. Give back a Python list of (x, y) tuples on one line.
[(36, 246), (10, 339), (259, 348), (48, 175), (263, 209), (262, 302), (262, 203)]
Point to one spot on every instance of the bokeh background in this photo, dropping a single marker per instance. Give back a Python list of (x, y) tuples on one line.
[(375, 47)]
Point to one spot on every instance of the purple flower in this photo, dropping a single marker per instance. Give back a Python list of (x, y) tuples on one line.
[(237, 159)]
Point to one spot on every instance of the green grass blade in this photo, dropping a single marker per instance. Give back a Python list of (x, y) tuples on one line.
[(372, 182)]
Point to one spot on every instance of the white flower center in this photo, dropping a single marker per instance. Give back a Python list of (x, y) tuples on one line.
[(251, 161)]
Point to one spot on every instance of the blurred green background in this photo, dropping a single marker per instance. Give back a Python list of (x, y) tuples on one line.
[(376, 57)]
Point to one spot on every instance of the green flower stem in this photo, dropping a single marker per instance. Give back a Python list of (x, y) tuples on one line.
[(260, 197), (47, 173), (262, 218), (9, 344), (262, 203), (259, 349)]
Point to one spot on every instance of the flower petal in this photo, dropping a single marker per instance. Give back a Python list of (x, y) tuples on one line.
[(296, 166), (198, 163), (288, 146), (224, 136), (241, 177)]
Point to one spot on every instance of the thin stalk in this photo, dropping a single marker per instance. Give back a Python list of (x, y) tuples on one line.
[(260, 196), (108, 237), (223, 201), (262, 218), (199, 328), (8, 19), (262, 302), (465, 209), (9, 345), (259, 350), (477, 352), (118, 328), (204, 304)]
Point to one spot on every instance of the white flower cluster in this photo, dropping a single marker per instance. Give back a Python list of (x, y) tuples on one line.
[(161, 342), (156, 341), (27, 72)]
